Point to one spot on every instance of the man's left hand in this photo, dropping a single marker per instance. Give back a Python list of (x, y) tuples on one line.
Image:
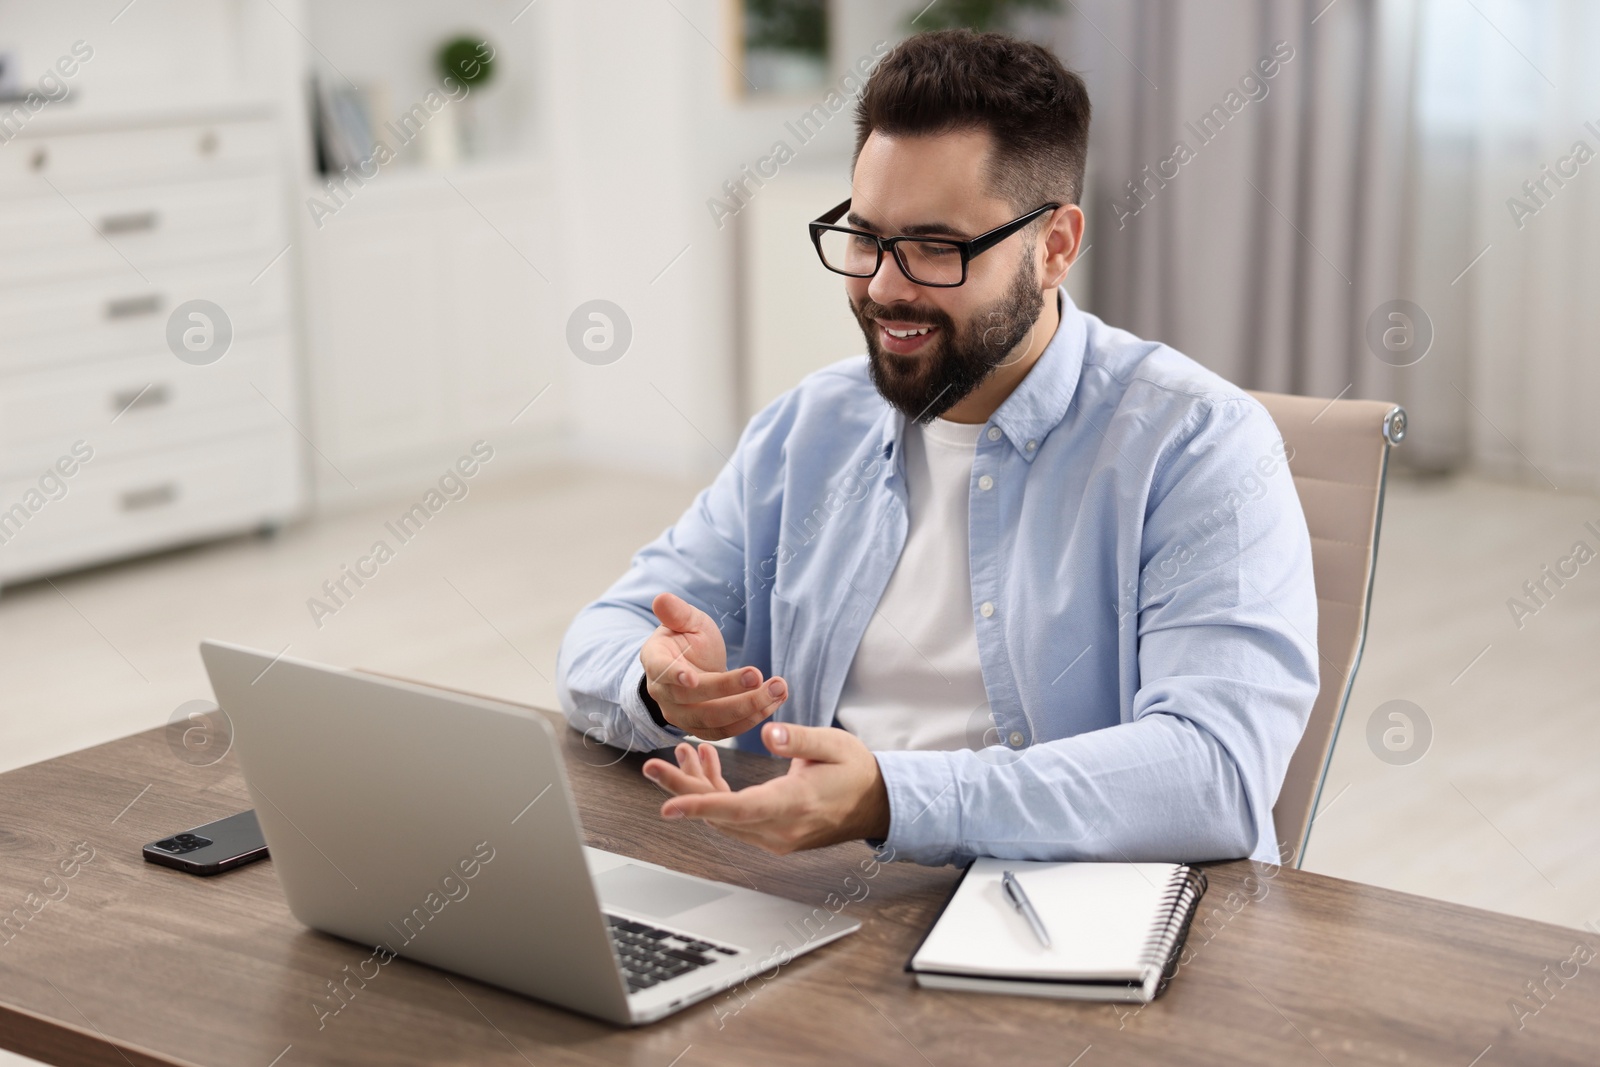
[(833, 791)]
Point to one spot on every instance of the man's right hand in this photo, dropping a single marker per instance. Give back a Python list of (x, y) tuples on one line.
[(685, 666)]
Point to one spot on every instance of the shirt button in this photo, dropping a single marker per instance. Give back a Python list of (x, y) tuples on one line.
[(994, 433), (1031, 445), (1015, 739), (986, 609), (986, 483)]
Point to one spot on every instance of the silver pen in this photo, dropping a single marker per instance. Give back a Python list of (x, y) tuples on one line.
[(1019, 900)]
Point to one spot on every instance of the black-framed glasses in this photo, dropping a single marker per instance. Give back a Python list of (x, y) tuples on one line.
[(938, 262)]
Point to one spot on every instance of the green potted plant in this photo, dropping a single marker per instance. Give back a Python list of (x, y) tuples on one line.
[(466, 63)]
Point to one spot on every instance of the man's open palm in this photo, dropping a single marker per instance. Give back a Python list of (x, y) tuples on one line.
[(833, 791), (685, 667)]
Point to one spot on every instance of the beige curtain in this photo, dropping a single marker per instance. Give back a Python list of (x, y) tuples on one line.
[(1265, 145)]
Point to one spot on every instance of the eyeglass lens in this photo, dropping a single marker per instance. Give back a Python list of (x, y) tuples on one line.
[(930, 262)]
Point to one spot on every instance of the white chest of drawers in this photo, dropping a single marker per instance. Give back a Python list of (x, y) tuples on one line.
[(105, 229)]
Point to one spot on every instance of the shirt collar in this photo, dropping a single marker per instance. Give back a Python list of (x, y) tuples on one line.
[(1040, 401)]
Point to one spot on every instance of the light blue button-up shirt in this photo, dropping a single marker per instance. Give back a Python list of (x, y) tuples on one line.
[(1141, 587)]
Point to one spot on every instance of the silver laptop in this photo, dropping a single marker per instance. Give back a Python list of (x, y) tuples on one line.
[(439, 826)]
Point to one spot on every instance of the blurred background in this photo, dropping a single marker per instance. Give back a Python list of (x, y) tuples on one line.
[(278, 274)]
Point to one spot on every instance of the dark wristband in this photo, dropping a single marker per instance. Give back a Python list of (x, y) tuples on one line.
[(650, 704)]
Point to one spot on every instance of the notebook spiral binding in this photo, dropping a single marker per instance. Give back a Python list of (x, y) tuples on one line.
[(1180, 901)]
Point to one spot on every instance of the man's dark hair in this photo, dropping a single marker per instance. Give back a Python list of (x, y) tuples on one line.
[(1036, 110)]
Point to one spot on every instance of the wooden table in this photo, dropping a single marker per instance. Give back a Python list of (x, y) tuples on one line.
[(125, 963)]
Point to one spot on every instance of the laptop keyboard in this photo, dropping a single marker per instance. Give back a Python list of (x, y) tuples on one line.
[(650, 955)]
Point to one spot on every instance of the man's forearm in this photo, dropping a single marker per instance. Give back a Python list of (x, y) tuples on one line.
[(872, 814), (1159, 788)]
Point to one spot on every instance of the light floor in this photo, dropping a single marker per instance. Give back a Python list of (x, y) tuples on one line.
[(1499, 812)]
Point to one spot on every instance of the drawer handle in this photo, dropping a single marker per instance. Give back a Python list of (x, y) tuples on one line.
[(153, 497), (150, 396), (129, 222), (129, 306)]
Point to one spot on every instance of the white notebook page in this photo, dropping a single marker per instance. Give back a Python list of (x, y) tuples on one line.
[(1099, 915)]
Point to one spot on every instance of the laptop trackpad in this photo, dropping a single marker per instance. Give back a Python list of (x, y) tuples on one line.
[(654, 893)]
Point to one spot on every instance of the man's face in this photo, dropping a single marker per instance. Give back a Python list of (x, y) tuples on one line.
[(929, 348)]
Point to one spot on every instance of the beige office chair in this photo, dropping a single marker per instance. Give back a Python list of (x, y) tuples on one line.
[(1339, 457)]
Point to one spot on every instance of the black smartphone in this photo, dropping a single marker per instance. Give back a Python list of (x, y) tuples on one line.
[(213, 848)]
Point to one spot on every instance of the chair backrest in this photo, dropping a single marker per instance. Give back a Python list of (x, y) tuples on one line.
[(1339, 458)]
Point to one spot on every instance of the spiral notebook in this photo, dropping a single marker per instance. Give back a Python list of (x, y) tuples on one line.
[(1115, 929)]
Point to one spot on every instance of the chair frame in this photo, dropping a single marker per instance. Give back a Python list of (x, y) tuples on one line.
[(1394, 431)]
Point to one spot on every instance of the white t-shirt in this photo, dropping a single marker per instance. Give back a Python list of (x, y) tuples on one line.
[(916, 682)]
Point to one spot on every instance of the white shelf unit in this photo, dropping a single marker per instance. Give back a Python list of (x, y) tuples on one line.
[(107, 224), (433, 298)]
